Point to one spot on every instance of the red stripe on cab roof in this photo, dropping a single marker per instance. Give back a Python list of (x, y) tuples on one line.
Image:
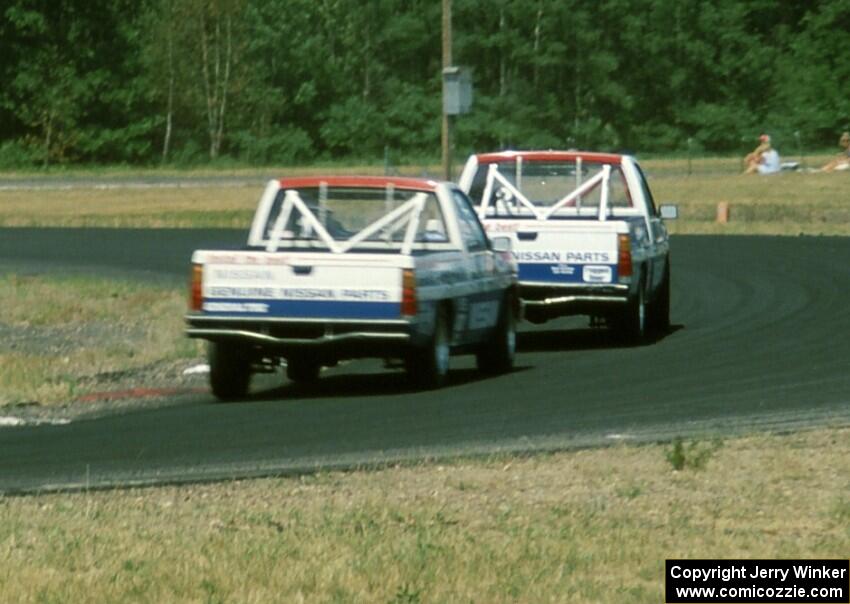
[(366, 182), (541, 156)]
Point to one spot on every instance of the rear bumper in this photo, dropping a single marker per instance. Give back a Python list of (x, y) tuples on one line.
[(329, 339), (542, 301)]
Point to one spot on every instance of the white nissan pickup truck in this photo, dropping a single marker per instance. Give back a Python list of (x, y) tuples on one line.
[(586, 233), (347, 267)]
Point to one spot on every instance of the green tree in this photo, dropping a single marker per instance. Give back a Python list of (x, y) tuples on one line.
[(72, 84), (294, 80), (47, 92), (813, 80)]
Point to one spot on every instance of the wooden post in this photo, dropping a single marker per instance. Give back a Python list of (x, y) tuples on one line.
[(447, 62), (723, 212)]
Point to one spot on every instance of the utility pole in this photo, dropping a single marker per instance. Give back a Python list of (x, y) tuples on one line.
[(447, 62)]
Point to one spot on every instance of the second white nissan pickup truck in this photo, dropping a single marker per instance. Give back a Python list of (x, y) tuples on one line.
[(586, 234), (344, 267)]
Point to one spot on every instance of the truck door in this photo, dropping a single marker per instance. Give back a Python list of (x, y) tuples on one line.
[(482, 296), (659, 244)]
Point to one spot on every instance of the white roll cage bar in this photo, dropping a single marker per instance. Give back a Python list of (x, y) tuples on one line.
[(493, 175), (405, 216)]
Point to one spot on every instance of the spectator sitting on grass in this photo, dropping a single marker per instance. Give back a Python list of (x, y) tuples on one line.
[(842, 162), (764, 159)]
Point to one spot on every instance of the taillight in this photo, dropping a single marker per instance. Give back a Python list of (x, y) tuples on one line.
[(408, 292), (624, 256), (196, 297)]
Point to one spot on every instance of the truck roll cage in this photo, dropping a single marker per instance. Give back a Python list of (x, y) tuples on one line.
[(542, 213), (405, 217)]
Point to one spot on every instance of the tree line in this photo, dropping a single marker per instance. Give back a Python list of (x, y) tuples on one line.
[(294, 81)]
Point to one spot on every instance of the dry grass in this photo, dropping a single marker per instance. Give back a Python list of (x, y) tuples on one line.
[(130, 207), (71, 175), (118, 200), (587, 526), (58, 334), (789, 203), (785, 204)]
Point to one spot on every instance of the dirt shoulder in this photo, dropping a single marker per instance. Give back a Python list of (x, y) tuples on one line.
[(70, 344), (154, 385)]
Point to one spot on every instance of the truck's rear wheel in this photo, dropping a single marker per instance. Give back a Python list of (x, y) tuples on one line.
[(631, 323), (535, 315), (497, 355), (659, 310), (302, 370), (230, 370), (429, 365)]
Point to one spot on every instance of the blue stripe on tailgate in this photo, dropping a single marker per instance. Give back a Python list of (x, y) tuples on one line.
[(302, 309), (557, 272)]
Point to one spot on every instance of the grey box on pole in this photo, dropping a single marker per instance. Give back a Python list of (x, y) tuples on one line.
[(457, 97)]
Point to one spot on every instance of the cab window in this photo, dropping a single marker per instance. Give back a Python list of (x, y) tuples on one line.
[(647, 194), (474, 237)]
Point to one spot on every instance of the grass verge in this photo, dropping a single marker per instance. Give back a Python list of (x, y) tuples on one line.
[(60, 336), (790, 203), (585, 526)]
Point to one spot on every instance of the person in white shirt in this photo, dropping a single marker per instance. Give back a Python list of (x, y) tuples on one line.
[(769, 162), (764, 160)]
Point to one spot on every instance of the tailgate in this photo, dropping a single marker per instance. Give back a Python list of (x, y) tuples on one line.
[(282, 285), (562, 252)]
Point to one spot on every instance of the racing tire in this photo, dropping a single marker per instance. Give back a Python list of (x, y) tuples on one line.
[(302, 371), (429, 365), (631, 323), (498, 353), (230, 370), (659, 312), (535, 315)]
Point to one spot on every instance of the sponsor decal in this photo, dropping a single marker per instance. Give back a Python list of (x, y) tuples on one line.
[(307, 293), (221, 259), (562, 257), (297, 293), (563, 269), (483, 314), (218, 291), (597, 274), (242, 274), (242, 259), (501, 227), (364, 294), (249, 307), (561, 273)]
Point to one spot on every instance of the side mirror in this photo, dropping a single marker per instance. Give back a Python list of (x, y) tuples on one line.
[(500, 244), (668, 212)]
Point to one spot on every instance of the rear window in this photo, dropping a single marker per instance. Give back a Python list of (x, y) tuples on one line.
[(351, 212), (544, 184)]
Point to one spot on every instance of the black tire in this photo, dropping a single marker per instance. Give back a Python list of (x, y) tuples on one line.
[(230, 370), (659, 311), (301, 370), (497, 355), (429, 366), (631, 323), (536, 316)]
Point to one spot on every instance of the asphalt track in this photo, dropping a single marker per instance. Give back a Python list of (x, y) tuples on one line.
[(759, 342)]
